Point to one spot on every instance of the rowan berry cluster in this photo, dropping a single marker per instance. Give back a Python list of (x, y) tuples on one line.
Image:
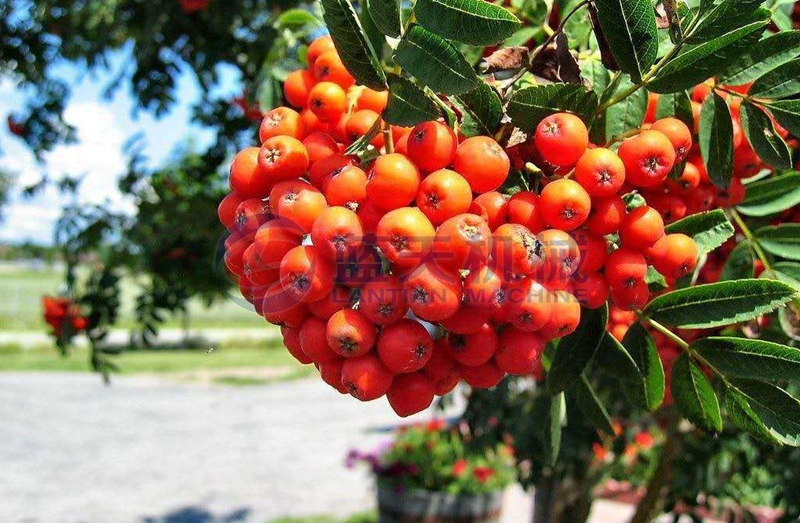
[(63, 315), (405, 272)]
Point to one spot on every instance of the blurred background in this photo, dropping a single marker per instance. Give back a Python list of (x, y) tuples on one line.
[(166, 399)]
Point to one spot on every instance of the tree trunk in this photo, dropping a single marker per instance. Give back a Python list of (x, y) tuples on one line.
[(561, 501)]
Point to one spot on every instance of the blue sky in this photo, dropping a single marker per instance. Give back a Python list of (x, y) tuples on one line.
[(103, 126)]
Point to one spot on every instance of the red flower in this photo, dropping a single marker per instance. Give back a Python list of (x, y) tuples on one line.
[(482, 474), (193, 6), (459, 468), (436, 425)]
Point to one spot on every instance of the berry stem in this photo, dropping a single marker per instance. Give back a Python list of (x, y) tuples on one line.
[(751, 238), (664, 330), (388, 138)]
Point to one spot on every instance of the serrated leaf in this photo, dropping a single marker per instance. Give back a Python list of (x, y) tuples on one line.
[(787, 272), (764, 138), (781, 240), (385, 15), (761, 58), (352, 44), (709, 229), (752, 359), (716, 140), (435, 62), (781, 82), (694, 396), (765, 411), (787, 112), (771, 195), (531, 105), (592, 407), (408, 104), (482, 111), (640, 345), (740, 263), (724, 17), (594, 72), (719, 304), (576, 350), (677, 105), (473, 22), (695, 64), (626, 115), (631, 30)]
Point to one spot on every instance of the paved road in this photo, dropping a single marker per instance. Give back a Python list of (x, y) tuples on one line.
[(152, 451)]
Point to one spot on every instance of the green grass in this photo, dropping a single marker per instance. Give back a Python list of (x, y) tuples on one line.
[(22, 291), (367, 517), (14, 358)]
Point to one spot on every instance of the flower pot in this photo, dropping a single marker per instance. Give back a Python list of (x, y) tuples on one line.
[(396, 505)]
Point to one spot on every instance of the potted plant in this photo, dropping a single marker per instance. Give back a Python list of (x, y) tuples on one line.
[(432, 473)]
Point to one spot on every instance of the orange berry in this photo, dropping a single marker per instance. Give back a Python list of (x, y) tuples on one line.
[(405, 236), (492, 206), (410, 394), (383, 300), (565, 315), (297, 86), (519, 353), (345, 186), (475, 349), (373, 101), (648, 158), (524, 208), (282, 121), (483, 376), (366, 378), (444, 194), (298, 202), (227, 210), (405, 346), (433, 294), (562, 256), (591, 289), (606, 215), (306, 274), (247, 179), (432, 146), (641, 228), (393, 182), (462, 242), (625, 267), (359, 123), (327, 101), (321, 45), (482, 162), (528, 305), (313, 341), (678, 133), (562, 139), (515, 251), (601, 172), (328, 67), (336, 233), (320, 145), (283, 158), (350, 334), (565, 204), (680, 257)]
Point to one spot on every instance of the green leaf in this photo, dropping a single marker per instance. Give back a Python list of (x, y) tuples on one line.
[(631, 30), (726, 16), (615, 359), (677, 105), (761, 58), (356, 51), (764, 138), (719, 304), (385, 15), (716, 140), (765, 411), (482, 111), (643, 350), (709, 229), (787, 272), (594, 72), (374, 35), (531, 105), (771, 195), (522, 36), (787, 112), (556, 417), (696, 64), (473, 22), (781, 82), (592, 407), (740, 263), (296, 19), (626, 115), (781, 240), (576, 350), (408, 105), (435, 62), (752, 359), (694, 396)]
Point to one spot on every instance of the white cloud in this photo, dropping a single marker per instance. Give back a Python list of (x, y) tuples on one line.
[(96, 157)]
